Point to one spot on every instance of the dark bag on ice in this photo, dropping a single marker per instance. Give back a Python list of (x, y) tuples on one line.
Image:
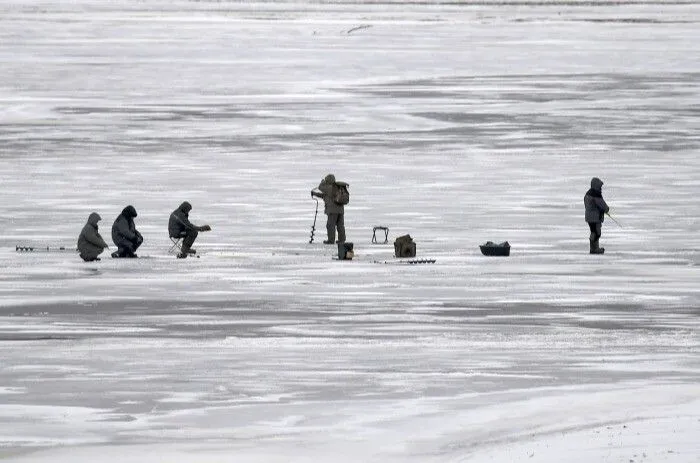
[(404, 246), (492, 249)]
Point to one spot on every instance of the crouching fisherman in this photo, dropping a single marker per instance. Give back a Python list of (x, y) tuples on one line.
[(596, 208), (124, 234), (90, 242), (179, 226)]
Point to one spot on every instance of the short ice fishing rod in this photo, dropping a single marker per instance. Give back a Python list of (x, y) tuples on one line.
[(613, 219)]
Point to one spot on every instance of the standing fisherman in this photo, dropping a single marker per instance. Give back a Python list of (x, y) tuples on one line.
[(596, 208), (334, 206)]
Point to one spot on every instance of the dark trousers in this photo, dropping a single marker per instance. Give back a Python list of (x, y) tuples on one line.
[(188, 239), (90, 256), (336, 221), (127, 248), (596, 231)]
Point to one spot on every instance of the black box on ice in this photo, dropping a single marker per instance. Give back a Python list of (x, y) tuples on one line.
[(345, 251)]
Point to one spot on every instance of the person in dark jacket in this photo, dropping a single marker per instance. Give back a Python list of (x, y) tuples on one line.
[(90, 242), (124, 234), (596, 208), (179, 226), (334, 211)]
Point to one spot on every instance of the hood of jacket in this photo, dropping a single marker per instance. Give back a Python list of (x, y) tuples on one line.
[(129, 211), (185, 207), (94, 218), (596, 184)]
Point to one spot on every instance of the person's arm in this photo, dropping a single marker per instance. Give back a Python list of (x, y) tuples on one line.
[(93, 237), (325, 189), (602, 205), (185, 222)]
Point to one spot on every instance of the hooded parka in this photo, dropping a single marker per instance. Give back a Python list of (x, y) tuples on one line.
[(124, 229), (90, 242), (596, 207), (124, 233), (179, 222)]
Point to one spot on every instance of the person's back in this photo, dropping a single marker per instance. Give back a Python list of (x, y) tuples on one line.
[(90, 242)]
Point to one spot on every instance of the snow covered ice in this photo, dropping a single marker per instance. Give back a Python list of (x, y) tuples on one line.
[(456, 123)]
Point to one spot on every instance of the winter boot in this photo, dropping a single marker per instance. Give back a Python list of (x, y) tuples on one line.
[(595, 249)]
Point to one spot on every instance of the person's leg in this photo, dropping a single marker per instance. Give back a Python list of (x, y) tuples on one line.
[(594, 237), (330, 228), (599, 232), (138, 242), (340, 223), (90, 256), (189, 241), (124, 249)]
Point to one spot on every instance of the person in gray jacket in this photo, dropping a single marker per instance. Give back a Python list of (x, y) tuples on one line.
[(90, 242), (124, 234), (596, 208), (334, 211), (179, 226)]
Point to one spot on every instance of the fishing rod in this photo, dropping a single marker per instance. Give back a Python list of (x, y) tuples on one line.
[(613, 219)]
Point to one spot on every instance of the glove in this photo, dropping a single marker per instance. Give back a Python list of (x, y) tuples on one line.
[(205, 228)]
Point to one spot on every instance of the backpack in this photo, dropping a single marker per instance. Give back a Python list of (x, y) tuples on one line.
[(404, 246), (341, 195)]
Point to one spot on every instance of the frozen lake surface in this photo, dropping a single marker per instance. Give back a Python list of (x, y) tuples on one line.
[(455, 123)]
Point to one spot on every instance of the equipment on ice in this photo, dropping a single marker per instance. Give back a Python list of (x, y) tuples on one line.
[(374, 234), (313, 227), (404, 246), (19, 248), (492, 249), (345, 251)]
